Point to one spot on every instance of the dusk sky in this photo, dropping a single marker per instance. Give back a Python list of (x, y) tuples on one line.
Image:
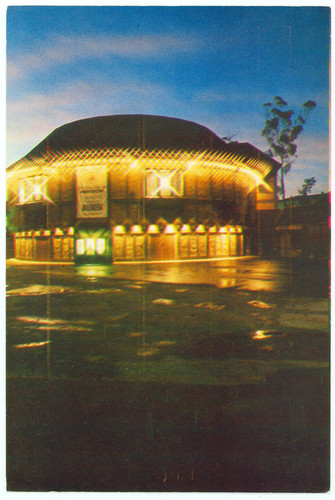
[(215, 66)]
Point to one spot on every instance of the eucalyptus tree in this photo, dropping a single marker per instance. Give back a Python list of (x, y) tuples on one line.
[(307, 186), (281, 129)]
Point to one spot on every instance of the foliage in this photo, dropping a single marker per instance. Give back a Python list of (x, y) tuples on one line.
[(281, 129), (307, 186), (11, 223)]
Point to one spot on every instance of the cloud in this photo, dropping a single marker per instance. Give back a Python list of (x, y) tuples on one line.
[(209, 96), (67, 49), (41, 101), (35, 115), (230, 95), (313, 149), (86, 94)]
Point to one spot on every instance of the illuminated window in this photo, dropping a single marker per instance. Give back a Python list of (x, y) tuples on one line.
[(100, 245), (32, 189), (164, 184), (90, 246), (80, 248)]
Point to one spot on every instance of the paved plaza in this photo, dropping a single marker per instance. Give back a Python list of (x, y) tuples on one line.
[(209, 376)]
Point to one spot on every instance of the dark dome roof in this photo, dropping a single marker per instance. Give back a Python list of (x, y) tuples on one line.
[(129, 131), (145, 132)]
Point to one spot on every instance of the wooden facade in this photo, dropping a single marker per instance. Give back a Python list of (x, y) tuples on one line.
[(59, 246), (188, 177)]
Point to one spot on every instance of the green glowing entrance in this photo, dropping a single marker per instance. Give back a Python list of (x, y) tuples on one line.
[(92, 246)]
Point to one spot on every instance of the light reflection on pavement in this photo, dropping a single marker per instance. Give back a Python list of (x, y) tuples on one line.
[(110, 365), (245, 273)]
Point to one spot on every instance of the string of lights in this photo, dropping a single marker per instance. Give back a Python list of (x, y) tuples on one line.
[(221, 166)]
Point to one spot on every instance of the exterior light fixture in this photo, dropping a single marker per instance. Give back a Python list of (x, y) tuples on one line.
[(137, 229), (185, 228), (170, 229), (153, 229)]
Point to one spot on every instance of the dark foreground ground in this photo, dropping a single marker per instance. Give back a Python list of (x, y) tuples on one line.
[(119, 385)]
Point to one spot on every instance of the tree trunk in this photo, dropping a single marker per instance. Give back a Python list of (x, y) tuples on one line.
[(282, 183)]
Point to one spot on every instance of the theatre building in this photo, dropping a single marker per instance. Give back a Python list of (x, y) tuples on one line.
[(135, 188)]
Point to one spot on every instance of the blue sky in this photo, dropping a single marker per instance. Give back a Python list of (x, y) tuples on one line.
[(216, 66)]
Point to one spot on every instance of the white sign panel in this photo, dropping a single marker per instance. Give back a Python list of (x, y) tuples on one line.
[(91, 192)]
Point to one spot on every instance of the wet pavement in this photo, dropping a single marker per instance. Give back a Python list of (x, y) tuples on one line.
[(168, 377), (248, 273)]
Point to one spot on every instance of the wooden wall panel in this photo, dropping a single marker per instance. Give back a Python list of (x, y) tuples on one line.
[(117, 185), (184, 245)]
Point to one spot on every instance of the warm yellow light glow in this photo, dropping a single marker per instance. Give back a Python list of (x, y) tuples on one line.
[(80, 248), (219, 166), (200, 229), (32, 344), (170, 229), (37, 191), (90, 246), (153, 229), (119, 230), (185, 228), (32, 189), (261, 334), (136, 229), (165, 182), (100, 245), (160, 183)]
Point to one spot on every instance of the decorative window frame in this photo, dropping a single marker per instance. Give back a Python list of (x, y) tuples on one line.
[(164, 184), (32, 189)]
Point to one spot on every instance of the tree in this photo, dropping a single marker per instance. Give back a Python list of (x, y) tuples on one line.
[(281, 129), (307, 186)]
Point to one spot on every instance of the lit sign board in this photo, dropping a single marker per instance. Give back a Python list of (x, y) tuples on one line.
[(91, 192)]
